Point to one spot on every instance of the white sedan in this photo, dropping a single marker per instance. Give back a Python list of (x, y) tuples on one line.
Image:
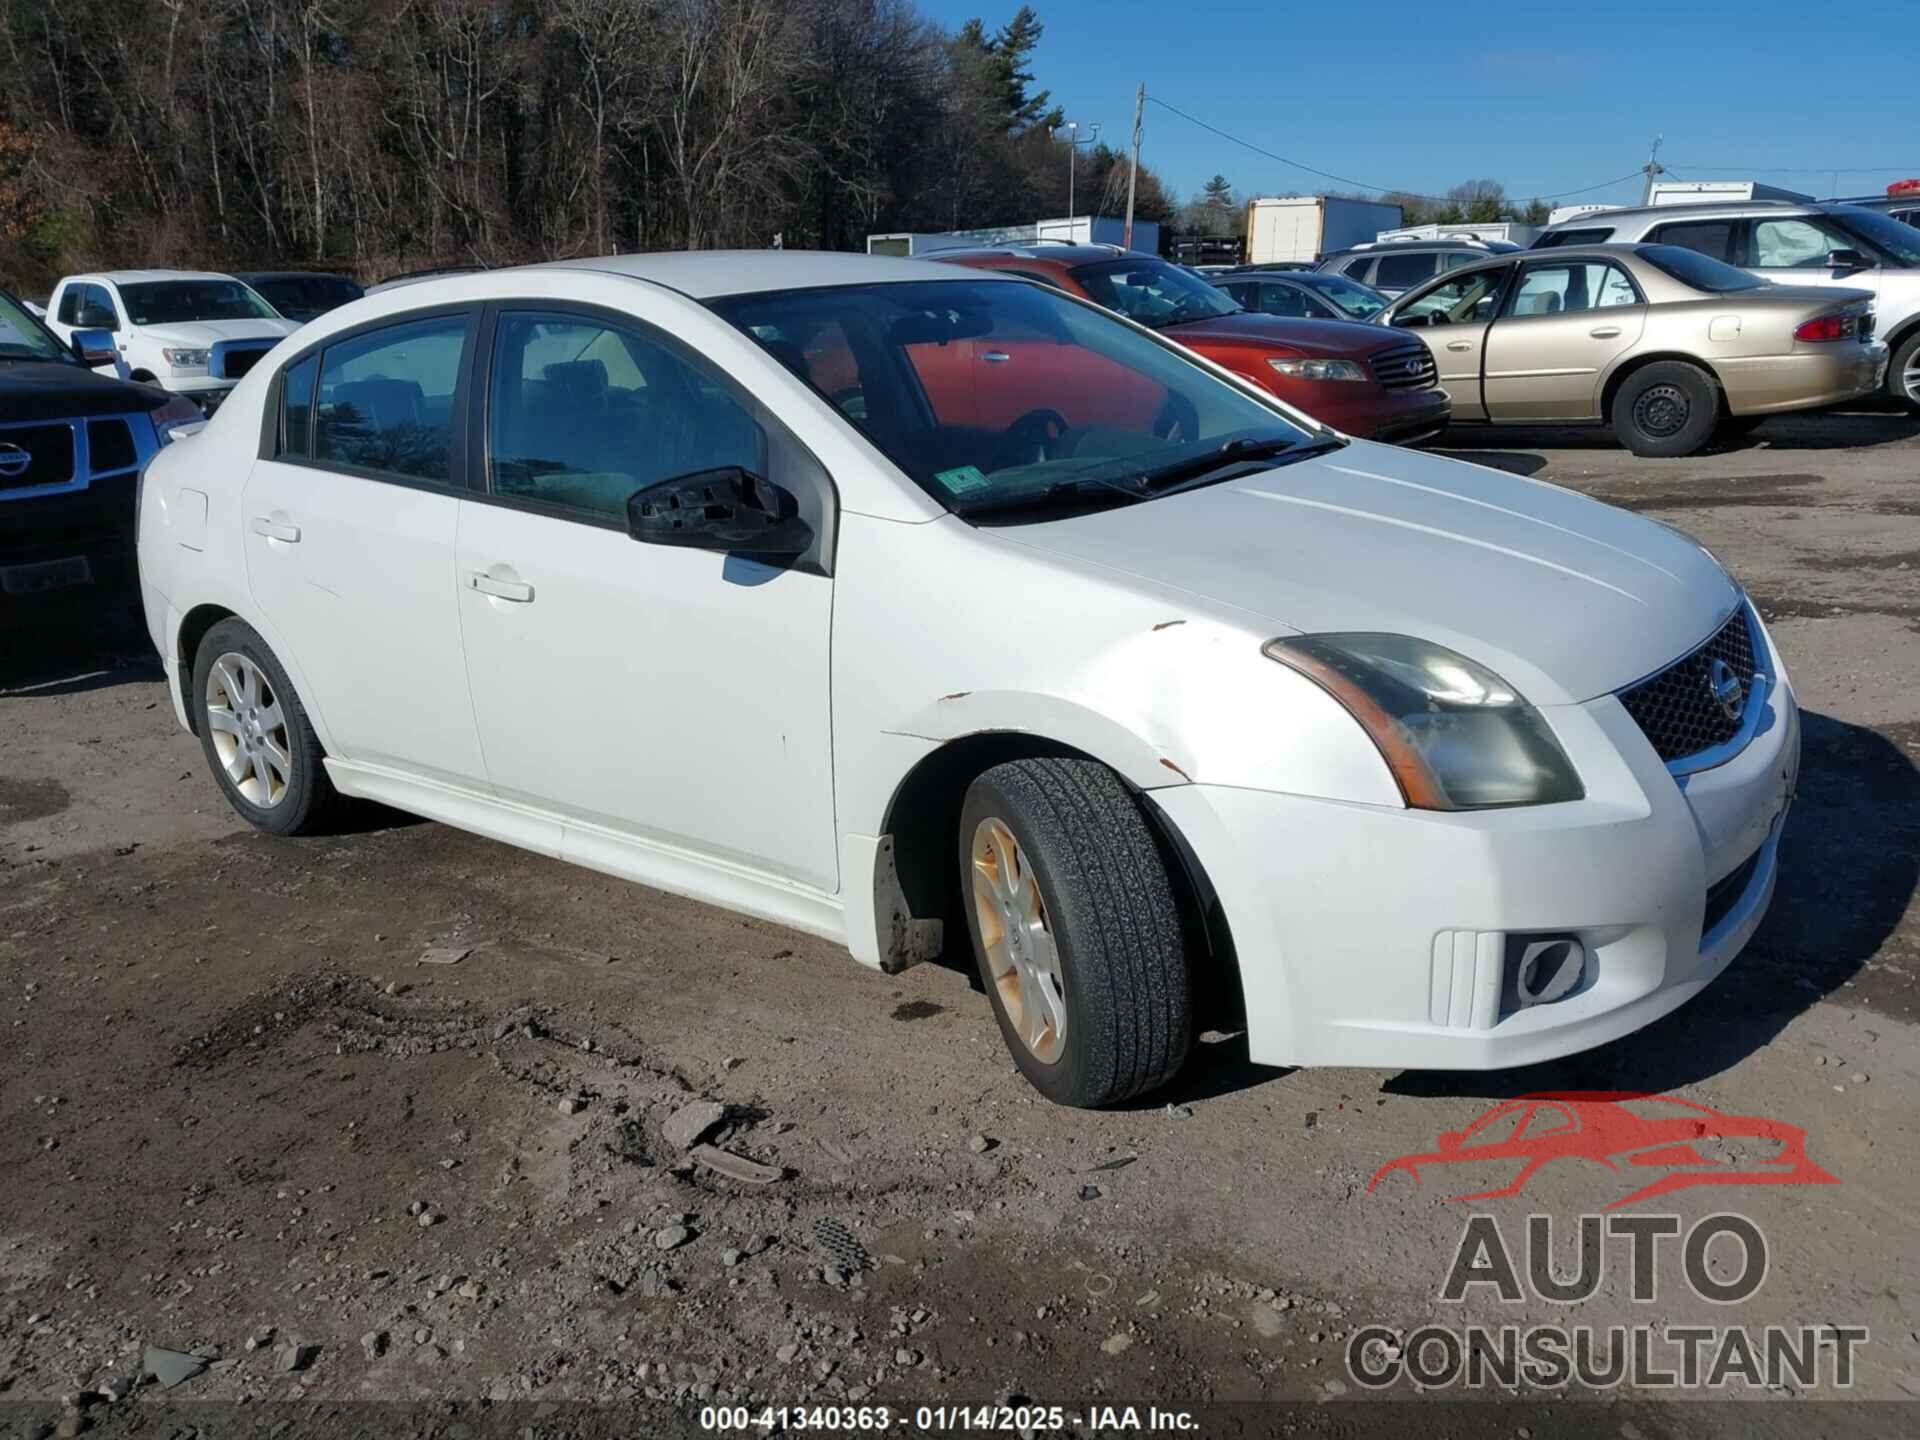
[(930, 611)]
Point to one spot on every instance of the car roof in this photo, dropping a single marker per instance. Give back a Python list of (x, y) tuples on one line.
[(139, 277), (1399, 247), (708, 274), (1704, 210), (1056, 252), (252, 275)]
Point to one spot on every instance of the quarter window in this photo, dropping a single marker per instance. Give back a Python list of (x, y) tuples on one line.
[(581, 414), (387, 398), (1358, 268)]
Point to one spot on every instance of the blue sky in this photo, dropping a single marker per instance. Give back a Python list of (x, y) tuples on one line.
[(1543, 98)]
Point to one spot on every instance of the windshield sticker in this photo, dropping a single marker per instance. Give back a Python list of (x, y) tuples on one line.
[(960, 481)]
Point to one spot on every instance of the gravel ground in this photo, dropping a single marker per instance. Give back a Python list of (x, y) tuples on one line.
[(249, 1112)]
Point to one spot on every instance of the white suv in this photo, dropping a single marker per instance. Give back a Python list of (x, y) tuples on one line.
[(1791, 244), (189, 332)]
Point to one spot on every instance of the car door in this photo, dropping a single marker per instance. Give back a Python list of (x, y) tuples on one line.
[(674, 697), (1561, 327), (350, 517), (1452, 317)]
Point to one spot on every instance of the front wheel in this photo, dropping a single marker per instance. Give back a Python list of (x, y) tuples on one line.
[(1903, 372), (1075, 930), (1666, 410)]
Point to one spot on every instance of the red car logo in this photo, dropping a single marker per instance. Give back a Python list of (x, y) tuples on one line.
[(1623, 1130)]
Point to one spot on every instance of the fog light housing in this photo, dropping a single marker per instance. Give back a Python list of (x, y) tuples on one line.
[(1541, 969)]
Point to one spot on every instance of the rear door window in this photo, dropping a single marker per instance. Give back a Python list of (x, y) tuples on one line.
[(1716, 238), (1403, 272), (387, 398)]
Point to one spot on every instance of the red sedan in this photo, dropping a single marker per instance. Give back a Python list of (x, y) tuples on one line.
[(1378, 385)]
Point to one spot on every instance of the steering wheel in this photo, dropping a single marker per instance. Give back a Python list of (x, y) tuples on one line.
[(1029, 439), (1177, 420)]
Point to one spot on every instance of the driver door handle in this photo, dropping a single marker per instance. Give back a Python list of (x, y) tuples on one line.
[(1604, 332), (995, 357), (276, 530), (517, 591), (1459, 344)]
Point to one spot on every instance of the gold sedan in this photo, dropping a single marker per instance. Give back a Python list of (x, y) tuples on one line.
[(1662, 343)]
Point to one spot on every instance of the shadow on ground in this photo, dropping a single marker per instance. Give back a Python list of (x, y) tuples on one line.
[(89, 643)]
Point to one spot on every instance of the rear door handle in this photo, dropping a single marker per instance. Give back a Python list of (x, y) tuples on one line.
[(996, 357), (1604, 332), (517, 591), (276, 529), (1459, 344)]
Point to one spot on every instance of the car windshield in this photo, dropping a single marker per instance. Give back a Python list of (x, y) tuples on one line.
[(1899, 241), (1702, 272), (1362, 302), (309, 295), (1152, 292), (1014, 398), (170, 302), (22, 337)]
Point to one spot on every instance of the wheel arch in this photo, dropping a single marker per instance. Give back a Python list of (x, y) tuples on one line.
[(144, 376), (194, 626), (1635, 363), (922, 826)]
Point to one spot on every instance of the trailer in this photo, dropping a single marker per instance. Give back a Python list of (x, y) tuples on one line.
[(1299, 229)]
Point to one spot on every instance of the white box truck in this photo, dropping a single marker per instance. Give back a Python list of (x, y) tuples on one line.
[(1706, 192), (1299, 229)]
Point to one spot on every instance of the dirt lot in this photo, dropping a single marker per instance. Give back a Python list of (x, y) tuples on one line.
[(241, 1118)]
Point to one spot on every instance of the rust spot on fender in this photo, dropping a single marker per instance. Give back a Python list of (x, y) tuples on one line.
[(957, 695), (1168, 624), (1177, 770)]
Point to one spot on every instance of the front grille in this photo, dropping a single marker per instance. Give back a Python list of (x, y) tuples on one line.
[(49, 451), (1725, 893), (236, 361), (1677, 709), (109, 446), (1404, 367)]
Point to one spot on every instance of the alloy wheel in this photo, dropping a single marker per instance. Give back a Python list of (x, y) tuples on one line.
[(249, 730), (1022, 954), (1910, 378)]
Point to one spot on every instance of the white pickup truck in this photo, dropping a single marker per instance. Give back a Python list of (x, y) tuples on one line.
[(195, 334)]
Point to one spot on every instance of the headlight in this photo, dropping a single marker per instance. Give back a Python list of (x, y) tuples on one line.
[(1455, 735), (185, 359), (178, 417), (1319, 369)]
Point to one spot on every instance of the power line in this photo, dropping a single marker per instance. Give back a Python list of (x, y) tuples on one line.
[(1361, 184)]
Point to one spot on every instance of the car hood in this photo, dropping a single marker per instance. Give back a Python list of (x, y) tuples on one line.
[(206, 332), (51, 390), (1342, 338), (1563, 596)]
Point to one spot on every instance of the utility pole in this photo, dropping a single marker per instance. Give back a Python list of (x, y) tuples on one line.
[(1133, 168), (1072, 129), (1652, 168)]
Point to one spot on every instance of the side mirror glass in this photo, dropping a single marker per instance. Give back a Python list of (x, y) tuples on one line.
[(95, 317), (728, 509), (1848, 260), (93, 347)]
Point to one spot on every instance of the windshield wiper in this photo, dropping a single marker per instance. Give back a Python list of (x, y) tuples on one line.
[(1197, 468), (1061, 492)]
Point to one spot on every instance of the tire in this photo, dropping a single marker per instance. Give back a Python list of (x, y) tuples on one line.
[(1097, 886), (1903, 373), (298, 798), (1666, 410)]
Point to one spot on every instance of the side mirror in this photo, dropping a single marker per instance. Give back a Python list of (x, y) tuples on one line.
[(1848, 260), (96, 317), (93, 347), (728, 509)]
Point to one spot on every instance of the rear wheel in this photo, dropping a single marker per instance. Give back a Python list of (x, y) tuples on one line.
[(1903, 372), (1666, 410), (1075, 929), (256, 735)]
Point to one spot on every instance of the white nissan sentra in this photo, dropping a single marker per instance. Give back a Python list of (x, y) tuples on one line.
[(924, 610)]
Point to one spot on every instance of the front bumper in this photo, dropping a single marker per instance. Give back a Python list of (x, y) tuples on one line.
[(1379, 937), (1818, 375), (1369, 411), (50, 544)]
